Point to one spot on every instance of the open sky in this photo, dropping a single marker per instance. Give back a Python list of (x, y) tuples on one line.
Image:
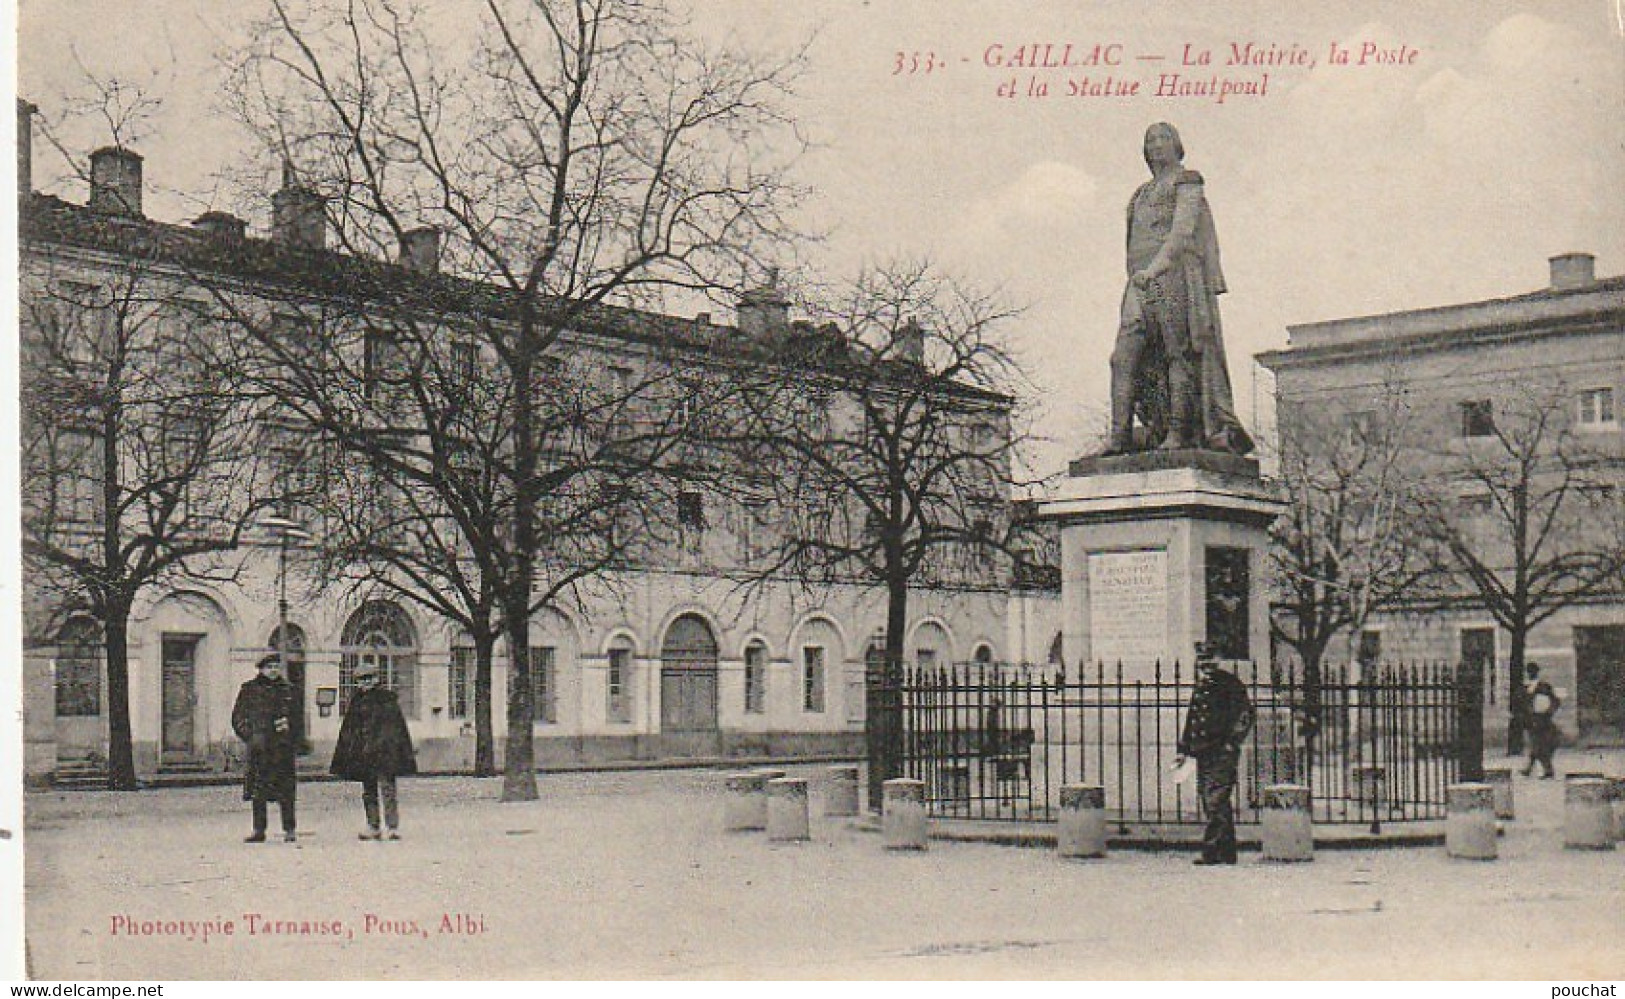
[(1477, 140)]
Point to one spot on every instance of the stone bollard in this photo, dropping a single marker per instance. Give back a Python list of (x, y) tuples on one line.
[(1469, 825), (1289, 829), (1082, 826), (746, 806), (787, 809), (1616, 793), (902, 814), (843, 792), (1500, 782), (1588, 815)]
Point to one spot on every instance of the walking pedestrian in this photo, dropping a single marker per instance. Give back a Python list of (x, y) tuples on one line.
[(1216, 724), (262, 719), (374, 747), (1542, 703)]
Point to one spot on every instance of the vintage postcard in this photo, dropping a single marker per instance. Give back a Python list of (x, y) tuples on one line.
[(856, 489)]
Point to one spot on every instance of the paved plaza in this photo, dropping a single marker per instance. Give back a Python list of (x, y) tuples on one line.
[(619, 875)]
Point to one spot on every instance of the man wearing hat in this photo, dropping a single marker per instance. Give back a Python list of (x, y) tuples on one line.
[(261, 719), (374, 748), (1216, 724), (1542, 702)]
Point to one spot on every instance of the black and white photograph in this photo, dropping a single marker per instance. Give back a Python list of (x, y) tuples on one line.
[(716, 490)]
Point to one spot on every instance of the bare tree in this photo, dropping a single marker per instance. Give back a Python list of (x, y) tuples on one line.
[(141, 465), (579, 153), (1348, 544), (891, 438), (1529, 514)]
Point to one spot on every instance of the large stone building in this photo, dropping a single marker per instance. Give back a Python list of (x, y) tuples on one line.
[(667, 656), (1457, 374)]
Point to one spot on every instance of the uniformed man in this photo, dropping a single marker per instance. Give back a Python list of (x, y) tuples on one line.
[(1216, 724)]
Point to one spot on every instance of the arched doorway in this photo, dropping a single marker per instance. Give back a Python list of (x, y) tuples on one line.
[(295, 671), (688, 688)]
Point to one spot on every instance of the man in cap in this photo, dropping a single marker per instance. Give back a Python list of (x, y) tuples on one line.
[(375, 747), (1216, 724), (261, 718)]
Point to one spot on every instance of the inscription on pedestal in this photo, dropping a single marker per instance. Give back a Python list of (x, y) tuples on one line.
[(1128, 607)]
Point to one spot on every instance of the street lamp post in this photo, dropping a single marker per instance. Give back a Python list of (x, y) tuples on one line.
[(286, 530)]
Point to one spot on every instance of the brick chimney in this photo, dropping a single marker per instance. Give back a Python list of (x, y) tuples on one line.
[(297, 219), (909, 346), (420, 250), (222, 225), (25, 146), (1573, 270), (115, 181), (764, 312)]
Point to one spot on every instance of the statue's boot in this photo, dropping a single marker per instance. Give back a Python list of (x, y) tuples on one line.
[(1122, 439)]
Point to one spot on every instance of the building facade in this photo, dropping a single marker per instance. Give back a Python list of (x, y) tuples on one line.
[(1476, 385), (687, 650)]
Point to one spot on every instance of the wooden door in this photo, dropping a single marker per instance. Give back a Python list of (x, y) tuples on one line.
[(1599, 667), (688, 687), (179, 693)]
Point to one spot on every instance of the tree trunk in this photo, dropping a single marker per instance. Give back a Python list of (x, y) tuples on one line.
[(120, 752), (484, 739), (1515, 691), (883, 732), (519, 758)]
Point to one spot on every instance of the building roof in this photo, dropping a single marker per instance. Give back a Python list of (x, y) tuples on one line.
[(1596, 306), (46, 219)]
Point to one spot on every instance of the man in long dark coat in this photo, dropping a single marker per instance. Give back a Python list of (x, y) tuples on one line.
[(262, 718), (374, 748), (1216, 724), (1542, 702)]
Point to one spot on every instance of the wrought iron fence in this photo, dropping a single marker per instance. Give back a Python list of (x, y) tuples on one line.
[(998, 741)]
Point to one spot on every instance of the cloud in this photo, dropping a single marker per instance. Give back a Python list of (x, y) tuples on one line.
[(1048, 193)]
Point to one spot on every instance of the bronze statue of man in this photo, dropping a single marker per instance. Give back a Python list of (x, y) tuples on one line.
[(1168, 368)]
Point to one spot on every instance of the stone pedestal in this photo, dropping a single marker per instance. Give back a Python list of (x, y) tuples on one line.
[(1469, 825), (745, 807), (787, 809), (1289, 829), (1500, 781), (842, 799), (902, 814), (1081, 830), (1160, 550), (1588, 815)]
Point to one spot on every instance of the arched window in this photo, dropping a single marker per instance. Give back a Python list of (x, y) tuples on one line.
[(756, 677), (983, 656), (79, 669), (380, 633)]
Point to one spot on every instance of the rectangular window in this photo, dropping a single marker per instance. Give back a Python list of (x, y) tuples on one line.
[(812, 678), (464, 362), (1597, 408), (544, 688), (755, 679), (1477, 418), (1370, 650), (79, 673), (691, 510), (379, 362), (84, 323), (78, 477), (459, 681), (619, 706)]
